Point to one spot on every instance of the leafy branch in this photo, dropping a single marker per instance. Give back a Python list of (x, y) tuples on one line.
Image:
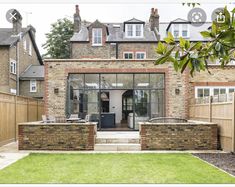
[(196, 55)]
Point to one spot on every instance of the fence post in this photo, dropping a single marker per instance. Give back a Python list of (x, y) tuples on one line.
[(16, 125), (233, 122), (210, 108)]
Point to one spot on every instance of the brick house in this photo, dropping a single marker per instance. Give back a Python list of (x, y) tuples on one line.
[(20, 55), (111, 77)]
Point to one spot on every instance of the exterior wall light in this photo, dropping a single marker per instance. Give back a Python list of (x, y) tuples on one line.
[(177, 91)]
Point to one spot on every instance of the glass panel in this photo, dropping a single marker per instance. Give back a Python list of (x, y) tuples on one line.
[(91, 103), (231, 90), (157, 103), (130, 30), (138, 30), (216, 91), (141, 98), (199, 92), (142, 81), (92, 81), (206, 92), (222, 91), (125, 81), (77, 81), (156, 80), (108, 81)]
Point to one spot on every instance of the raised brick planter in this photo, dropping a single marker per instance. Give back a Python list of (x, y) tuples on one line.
[(193, 135), (57, 136)]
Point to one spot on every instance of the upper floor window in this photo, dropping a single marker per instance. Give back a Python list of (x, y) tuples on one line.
[(134, 30), (180, 30), (96, 36), (176, 31), (25, 44), (130, 30), (128, 55), (33, 86), (13, 66), (140, 55), (184, 30), (30, 49)]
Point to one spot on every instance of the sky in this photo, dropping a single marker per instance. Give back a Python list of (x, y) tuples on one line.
[(42, 15)]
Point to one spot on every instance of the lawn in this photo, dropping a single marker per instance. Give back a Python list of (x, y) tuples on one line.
[(112, 168)]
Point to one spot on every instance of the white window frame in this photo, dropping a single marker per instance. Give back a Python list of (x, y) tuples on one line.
[(128, 52), (211, 88), (140, 52), (33, 83), (30, 49), (180, 30), (134, 31), (13, 66), (93, 36)]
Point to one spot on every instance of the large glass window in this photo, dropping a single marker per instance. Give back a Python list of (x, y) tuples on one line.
[(126, 96)]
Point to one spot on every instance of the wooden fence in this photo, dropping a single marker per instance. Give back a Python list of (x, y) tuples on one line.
[(218, 110), (14, 110)]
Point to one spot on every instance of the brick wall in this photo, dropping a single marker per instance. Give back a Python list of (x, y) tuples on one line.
[(4, 70), (108, 51), (56, 73), (188, 136), (25, 89), (148, 48), (34, 136), (86, 50)]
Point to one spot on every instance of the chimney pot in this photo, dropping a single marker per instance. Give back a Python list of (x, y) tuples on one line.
[(77, 19), (154, 19), (77, 9)]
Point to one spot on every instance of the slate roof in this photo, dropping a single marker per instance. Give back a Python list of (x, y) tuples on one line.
[(8, 39), (116, 34), (33, 72)]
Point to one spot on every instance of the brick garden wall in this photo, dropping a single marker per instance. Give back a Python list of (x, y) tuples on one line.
[(188, 136), (35, 136)]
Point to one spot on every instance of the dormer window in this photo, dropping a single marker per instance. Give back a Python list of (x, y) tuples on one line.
[(180, 30), (134, 30), (97, 37)]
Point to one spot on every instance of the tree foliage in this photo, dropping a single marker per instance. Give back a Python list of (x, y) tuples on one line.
[(196, 55), (57, 44)]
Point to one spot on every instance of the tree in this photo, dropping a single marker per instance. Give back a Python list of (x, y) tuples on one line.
[(195, 56), (57, 44)]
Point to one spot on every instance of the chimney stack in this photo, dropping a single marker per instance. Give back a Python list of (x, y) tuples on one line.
[(17, 22), (77, 19), (154, 19)]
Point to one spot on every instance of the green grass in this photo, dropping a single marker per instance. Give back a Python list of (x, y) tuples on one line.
[(112, 168)]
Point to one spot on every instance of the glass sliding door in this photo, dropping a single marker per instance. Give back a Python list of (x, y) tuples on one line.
[(121, 97)]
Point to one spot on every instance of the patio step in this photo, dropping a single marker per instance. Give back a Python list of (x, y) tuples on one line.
[(117, 147), (117, 140)]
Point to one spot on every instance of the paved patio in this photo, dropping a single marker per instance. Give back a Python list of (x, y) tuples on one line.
[(9, 154)]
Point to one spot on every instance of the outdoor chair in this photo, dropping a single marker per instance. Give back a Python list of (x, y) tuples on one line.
[(87, 118), (49, 119)]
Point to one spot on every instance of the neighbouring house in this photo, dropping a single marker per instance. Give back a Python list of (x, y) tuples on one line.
[(111, 77), (22, 70)]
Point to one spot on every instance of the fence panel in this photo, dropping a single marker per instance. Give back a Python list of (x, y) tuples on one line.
[(14, 110), (219, 110)]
